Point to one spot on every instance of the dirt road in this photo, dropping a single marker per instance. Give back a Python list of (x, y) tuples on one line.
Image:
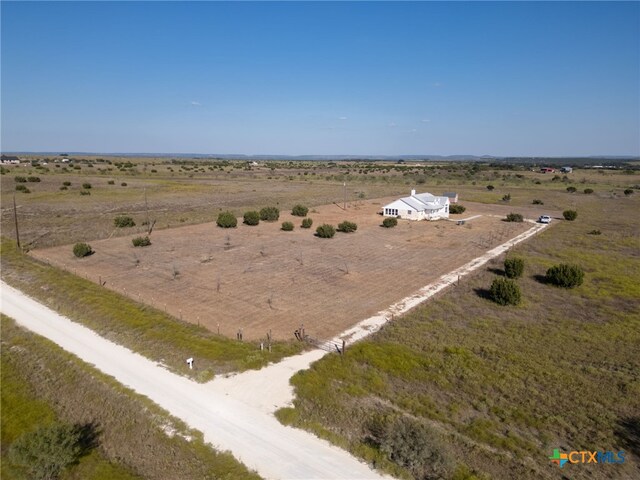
[(255, 438)]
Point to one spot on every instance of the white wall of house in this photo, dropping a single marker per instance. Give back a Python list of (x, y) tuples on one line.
[(415, 209)]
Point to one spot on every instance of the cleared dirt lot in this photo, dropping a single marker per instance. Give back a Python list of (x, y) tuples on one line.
[(261, 278)]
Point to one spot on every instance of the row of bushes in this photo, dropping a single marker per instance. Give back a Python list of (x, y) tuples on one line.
[(505, 291), (267, 214), (569, 215), (20, 179)]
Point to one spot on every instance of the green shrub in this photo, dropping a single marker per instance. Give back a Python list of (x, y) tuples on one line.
[(505, 292), (389, 222), (82, 250), (506, 198), (513, 267), (287, 226), (299, 211), (588, 191), (538, 202), (123, 221), (628, 192), (347, 227), (595, 232), (86, 186), (252, 218), (22, 188), (571, 189), (33, 179), (85, 192), (111, 182), (514, 217), (325, 231), (141, 241), (417, 447), (490, 187), (43, 453), (66, 184), (123, 184), (570, 215), (227, 220), (307, 222), (269, 214), (565, 275), (456, 208), (64, 188), (20, 179)]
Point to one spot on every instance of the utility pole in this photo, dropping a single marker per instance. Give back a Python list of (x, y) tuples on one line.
[(344, 187), (15, 218), (146, 208)]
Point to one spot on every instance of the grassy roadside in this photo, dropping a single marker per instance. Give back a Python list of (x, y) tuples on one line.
[(500, 387), (143, 329), (136, 438)]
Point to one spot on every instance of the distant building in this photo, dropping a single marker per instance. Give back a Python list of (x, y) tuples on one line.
[(452, 196), (566, 169), (421, 206), (9, 159)]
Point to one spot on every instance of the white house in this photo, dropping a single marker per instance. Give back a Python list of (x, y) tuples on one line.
[(421, 206)]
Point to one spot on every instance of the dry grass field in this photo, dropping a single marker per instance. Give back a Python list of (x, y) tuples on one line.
[(260, 278)]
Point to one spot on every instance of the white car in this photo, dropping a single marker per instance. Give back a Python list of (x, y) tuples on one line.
[(544, 219)]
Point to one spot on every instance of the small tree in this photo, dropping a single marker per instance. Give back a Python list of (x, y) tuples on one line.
[(252, 218), (513, 267), (227, 220), (565, 275), (456, 208), (505, 292), (124, 221), (141, 241), (490, 187), (570, 215), (307, 222), (20, 179), (628, 192), (42, 454), (287, 226), (389, 222), (86, 186), (588, 191), (82, 250), (299, 211), (33, 179), (325, 231), (347, 227), (537, 202), (269, 214), (514, 217), (571, 189)]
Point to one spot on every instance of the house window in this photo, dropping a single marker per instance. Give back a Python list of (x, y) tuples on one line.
[(408, 212)]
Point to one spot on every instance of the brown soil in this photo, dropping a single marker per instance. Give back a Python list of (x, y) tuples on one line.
[(262, 278)]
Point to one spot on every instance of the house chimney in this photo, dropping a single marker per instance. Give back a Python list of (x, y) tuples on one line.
[(413, 192)]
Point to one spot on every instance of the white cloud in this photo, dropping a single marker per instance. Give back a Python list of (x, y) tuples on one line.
[(392, 124), (413, 130), (425, 120), (437, 84), (342, 118), (195, 104)]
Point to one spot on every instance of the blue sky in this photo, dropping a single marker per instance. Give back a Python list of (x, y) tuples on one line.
[(378, 78)]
